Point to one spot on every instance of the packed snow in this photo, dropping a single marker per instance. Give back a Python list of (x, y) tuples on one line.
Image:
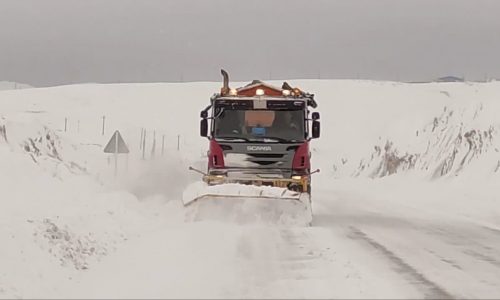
[(406, 205)]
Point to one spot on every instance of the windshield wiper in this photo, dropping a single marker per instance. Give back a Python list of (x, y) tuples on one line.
[(257, 139), (233, 138), (277, 139)]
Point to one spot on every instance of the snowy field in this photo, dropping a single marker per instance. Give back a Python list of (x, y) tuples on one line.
[(406, 205)]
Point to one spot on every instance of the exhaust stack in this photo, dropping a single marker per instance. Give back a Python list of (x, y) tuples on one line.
[(225, 87)]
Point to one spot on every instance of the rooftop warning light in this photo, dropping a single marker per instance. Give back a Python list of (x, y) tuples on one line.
[(259, 92), (233, 92), (286, 92)]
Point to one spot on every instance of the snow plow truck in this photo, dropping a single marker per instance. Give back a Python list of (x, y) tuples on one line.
[(259, 160)]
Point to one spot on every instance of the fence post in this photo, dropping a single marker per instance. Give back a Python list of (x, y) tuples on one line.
[(153, 148), (144, 145), (65, 124), (140, 141), (3, 133), (162, 144), (178, 142), (103, 122)]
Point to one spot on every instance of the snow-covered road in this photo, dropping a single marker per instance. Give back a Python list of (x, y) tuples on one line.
[(439, 254), (360, 246)]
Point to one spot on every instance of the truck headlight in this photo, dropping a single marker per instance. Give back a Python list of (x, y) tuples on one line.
[(296, 177)]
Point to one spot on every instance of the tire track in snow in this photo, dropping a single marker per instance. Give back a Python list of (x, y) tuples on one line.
[(430, 289), (276, 260), (448, 261), (255, 254), (299, 254), (288, 263), (483, 257), (472, 240), (312, 263), (432, 247), (458, 254)]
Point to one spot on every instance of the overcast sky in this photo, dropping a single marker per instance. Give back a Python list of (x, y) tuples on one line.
[(55, 42)]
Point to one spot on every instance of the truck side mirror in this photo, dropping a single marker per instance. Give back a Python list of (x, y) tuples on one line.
[(203, 127), (203, 114), (315, 115), (315, 129)]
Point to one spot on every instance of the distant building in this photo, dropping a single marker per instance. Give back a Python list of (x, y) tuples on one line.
[(450, 79)]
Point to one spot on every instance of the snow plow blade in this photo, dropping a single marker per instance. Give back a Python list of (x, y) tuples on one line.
[(244, 204)]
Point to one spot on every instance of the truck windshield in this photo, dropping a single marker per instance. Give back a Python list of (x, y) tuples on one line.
[(258, 125)]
